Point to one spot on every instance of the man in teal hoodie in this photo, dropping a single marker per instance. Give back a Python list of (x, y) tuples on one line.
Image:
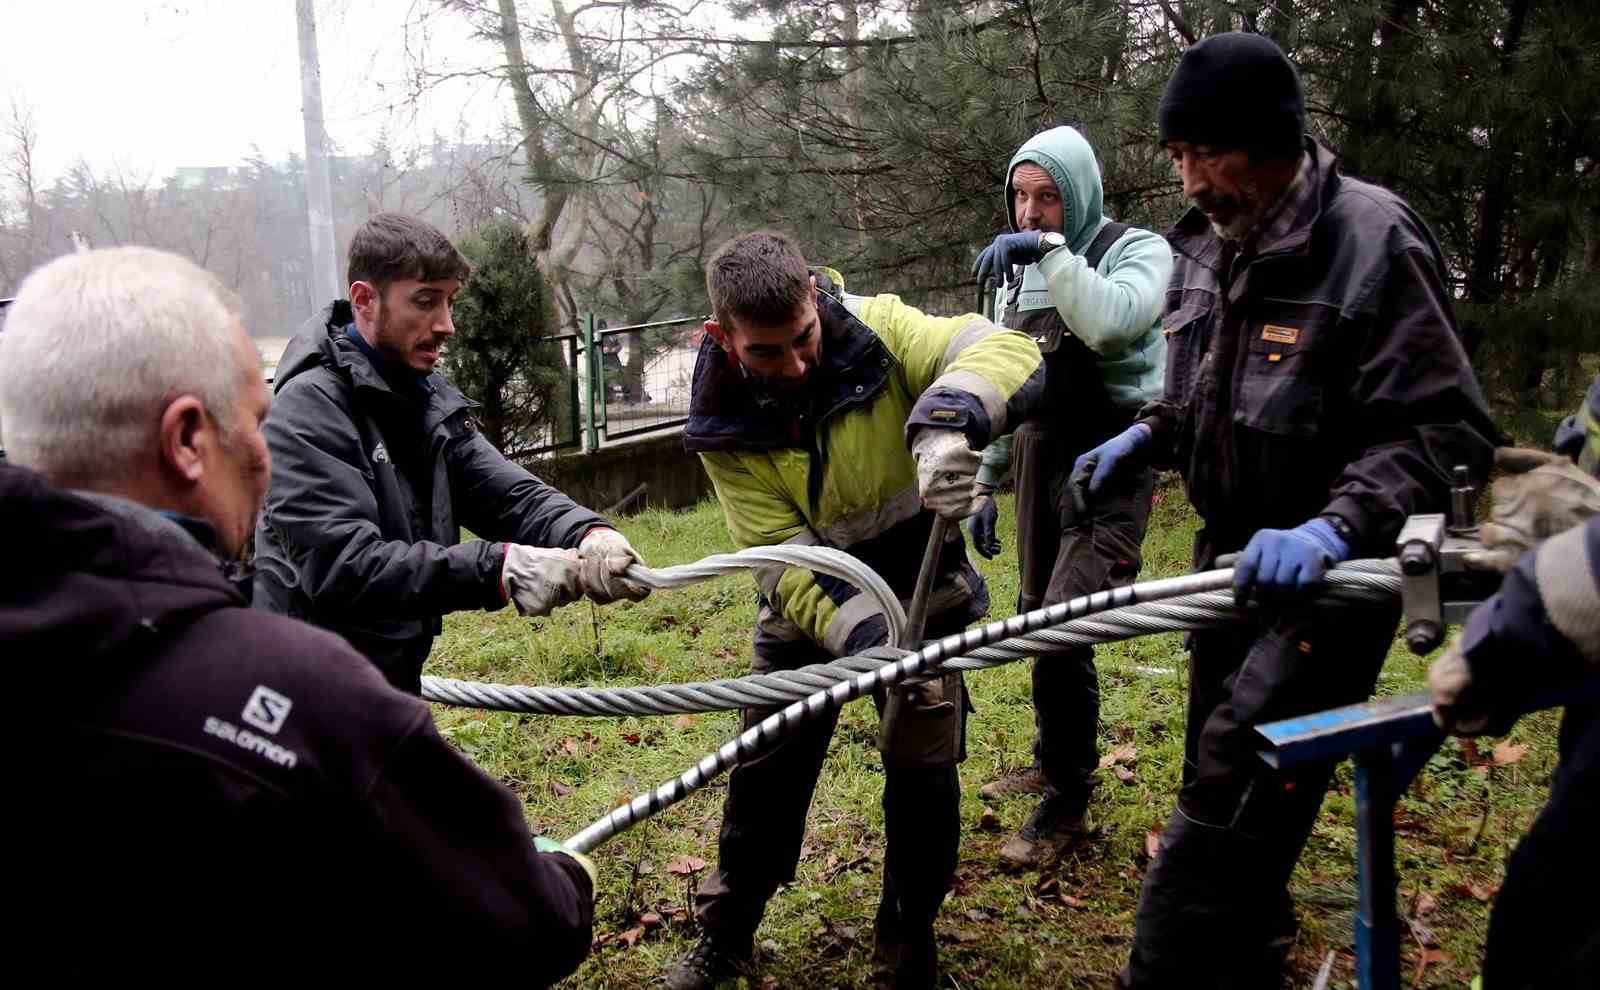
[(1090, 291)]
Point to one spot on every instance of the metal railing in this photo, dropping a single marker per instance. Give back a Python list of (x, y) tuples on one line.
[(639, 376)]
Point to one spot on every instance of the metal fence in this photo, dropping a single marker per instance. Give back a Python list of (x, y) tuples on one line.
[(641, 376)]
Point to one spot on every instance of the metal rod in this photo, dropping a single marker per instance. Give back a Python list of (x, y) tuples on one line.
[(917, 614)]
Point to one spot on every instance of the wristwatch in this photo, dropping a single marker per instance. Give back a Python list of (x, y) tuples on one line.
[(1050, 240)]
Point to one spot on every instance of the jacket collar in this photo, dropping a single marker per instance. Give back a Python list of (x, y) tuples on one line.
[(728, 412), (1288, 227)]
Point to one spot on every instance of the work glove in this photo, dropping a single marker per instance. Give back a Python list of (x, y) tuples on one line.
[(545, 844), (982, 525), (947, 472), (537, 580), (606, 556), (1288, 560), (1459, 705), (1539, 495), (1091, 471), (1007, 250)]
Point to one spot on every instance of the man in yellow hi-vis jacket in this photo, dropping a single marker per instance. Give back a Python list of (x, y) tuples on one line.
[(825, 418)]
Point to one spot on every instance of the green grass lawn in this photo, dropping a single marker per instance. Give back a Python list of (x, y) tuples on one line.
[(1066, 927)]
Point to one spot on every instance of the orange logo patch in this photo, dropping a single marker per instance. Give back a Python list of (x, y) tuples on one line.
[(1280, 335)]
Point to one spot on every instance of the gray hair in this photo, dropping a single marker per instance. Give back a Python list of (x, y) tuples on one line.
[(95, 347)]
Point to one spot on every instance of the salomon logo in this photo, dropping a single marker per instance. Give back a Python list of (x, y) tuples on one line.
[(266, 709), (380, 455)]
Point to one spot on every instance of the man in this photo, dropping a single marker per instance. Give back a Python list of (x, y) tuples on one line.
[(1540, 634), (217, 788), (379, 464), (1090, 295), (1316, 394), (803, 402)]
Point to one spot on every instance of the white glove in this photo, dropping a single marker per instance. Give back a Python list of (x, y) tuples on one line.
[(947, 472), (606, 556), (539, 579)]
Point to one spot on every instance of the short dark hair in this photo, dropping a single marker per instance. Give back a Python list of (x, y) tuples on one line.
[(760, 278), (393, 246)]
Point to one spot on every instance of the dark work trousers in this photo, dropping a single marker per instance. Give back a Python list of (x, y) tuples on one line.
[(764, 816), (1215, 911), (1544, 932), (1064, 555)]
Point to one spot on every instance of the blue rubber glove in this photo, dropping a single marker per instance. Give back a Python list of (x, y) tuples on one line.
[(1288, 560), (1091, 471), (1007, 250), (981, 526)]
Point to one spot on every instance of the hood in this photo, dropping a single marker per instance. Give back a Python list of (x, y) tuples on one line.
[(312, 344), (1065, 154), (88, 574)]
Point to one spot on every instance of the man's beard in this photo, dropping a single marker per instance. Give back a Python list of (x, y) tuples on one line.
[(1247, 208)]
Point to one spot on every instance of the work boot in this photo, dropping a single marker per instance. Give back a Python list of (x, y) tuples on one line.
[(1049, 832), (712, 961), (1029, 781)]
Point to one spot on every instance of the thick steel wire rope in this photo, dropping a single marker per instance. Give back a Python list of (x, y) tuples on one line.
[(1356, 582), (1371, 577)]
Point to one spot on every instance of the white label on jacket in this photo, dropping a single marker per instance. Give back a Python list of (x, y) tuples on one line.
[(266, 709)]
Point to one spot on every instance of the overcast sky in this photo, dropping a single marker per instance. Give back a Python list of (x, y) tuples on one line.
[(151, 85)]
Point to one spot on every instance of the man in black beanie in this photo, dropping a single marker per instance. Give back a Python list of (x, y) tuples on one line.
[(1316, 395)]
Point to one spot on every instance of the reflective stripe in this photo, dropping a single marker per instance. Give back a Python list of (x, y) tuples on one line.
[(994, 404), (968, 335), (1566, 584), (849, 615), (846, 533), (768, 575)]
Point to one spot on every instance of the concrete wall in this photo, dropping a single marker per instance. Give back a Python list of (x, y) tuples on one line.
[(674, 476)]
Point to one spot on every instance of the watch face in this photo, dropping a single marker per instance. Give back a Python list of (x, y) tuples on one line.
[(1052, 240)]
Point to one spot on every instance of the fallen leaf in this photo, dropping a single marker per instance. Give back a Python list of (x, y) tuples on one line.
[(559, 789), (1152, 843), (631, 936), (631, 738), (694, 628), (1126, 753), (768, 983), (988, 821), (1509, 752), (683, 722), (570, 746), (650, 920), (601, 940), (960, 935), (676, 913), (806, 852), (668, 621), (1469, 749), (1047, 886), (977, 914), (1072, 902), (686, 866), (724, 653), (1426, 905), (1124, 774), (1483, 892), (833, 860)]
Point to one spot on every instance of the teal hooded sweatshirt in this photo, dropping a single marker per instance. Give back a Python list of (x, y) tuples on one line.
[(1115, 308)]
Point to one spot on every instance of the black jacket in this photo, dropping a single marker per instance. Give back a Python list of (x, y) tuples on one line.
[(205, 783), (361, 532), (1318, 373)]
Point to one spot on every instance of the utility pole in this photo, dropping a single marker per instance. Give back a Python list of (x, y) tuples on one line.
[(319, 188)]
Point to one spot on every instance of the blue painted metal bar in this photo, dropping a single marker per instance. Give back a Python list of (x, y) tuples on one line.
[(1338, 732)]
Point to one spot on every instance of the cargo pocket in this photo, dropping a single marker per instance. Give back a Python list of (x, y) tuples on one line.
[(1281, 384)]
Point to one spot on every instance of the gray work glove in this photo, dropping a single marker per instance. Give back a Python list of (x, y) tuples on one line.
[(1538, 495), (606, 556), (947, 472), (1458, 707), (537, 580)]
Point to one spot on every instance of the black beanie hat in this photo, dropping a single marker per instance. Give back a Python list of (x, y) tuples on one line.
[(1235, 90)]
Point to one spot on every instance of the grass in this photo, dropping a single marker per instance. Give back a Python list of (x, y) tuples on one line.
[(1066, 927)]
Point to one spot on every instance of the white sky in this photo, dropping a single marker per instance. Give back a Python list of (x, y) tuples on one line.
[(149, 85)]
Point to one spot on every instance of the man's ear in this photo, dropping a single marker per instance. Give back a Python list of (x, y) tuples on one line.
[(184, 433), (363, 298), (719, 335)]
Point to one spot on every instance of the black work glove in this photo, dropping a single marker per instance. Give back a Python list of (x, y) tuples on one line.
[(981, 527)]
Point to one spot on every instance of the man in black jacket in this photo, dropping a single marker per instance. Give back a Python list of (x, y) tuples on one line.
[(215, 790), (379, 464), (1316, 394)]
